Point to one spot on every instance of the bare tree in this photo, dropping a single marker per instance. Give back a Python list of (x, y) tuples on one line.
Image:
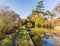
[(9, 20), (56, 10)]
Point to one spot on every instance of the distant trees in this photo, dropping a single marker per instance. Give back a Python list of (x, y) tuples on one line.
[(38, 15), (9, 20)]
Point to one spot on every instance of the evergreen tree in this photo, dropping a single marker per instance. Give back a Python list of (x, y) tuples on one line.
[(40, 6)]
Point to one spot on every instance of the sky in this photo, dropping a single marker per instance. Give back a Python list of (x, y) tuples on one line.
[(25, 7)]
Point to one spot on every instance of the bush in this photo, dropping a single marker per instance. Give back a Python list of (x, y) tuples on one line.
[(39, 25)]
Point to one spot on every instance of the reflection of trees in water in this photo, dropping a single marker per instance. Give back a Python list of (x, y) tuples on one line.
[(56, 41)]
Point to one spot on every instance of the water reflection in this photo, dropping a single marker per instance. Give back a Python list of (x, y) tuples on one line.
[(56, 41), (48, 42)]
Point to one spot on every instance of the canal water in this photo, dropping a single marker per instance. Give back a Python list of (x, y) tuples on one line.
[(54, 41), (48, 42)]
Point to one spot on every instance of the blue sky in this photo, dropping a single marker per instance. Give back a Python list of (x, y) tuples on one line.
[(24, 7)]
